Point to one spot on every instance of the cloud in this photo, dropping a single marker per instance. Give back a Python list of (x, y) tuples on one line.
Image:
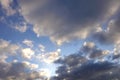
[(17, 70), (6, 5), (49, 57), (22, 28), (77, 67), (111, 35), (28, 43), (90, 63), (42, 48), (72, 60), (66, 20), (8, 48), (90, 50), (29, 65), (27, 53)]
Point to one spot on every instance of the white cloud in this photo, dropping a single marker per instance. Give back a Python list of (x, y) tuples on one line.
[(27, 42), (49, 57), (27, 53)]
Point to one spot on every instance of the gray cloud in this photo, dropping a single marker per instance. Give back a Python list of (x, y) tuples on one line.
[(98, 65), (64, 20), (88, 70), (18, 70), (111, 35), (90, 50)]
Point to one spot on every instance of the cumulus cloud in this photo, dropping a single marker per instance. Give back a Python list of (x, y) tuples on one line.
[(28, 43), (27, 53), (65, 20), (49, 57)]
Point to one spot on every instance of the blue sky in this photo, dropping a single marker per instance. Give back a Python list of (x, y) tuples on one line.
[(56, 39)]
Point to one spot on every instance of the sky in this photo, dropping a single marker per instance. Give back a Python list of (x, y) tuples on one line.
[(59, 39)]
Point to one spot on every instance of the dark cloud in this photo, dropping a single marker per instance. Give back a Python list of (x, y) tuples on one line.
[(72, 60), (89, 70), (63, 20), (98, 65)]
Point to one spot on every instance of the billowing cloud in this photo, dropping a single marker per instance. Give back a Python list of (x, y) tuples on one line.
[(27, 53), (28, 43), (65, 20)]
